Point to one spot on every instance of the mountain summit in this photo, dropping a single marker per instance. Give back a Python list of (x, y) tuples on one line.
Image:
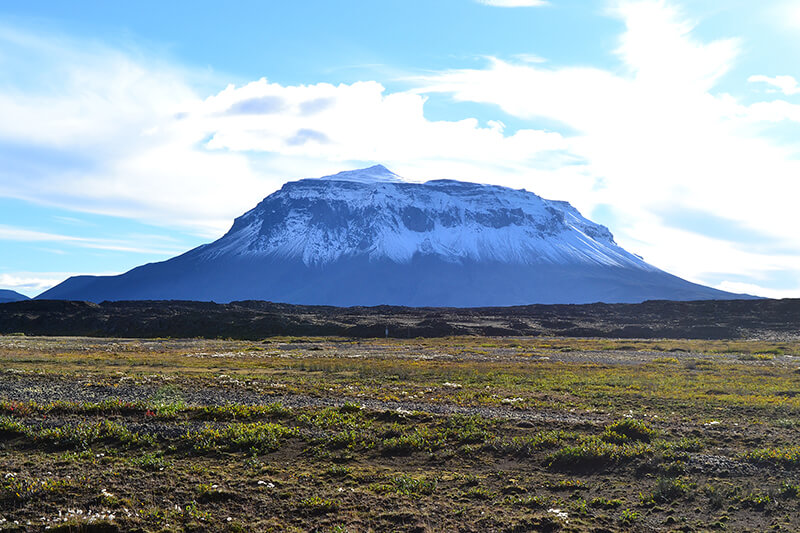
[(366, 237), (373, 174)]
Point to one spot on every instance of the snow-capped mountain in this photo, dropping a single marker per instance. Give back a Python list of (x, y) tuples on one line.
[(373, 213), (367, 237)]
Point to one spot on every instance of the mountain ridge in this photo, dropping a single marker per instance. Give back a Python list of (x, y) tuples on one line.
[(7, 295), (367, 237)]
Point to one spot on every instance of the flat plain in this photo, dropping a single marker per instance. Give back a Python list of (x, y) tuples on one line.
[(337, 434)]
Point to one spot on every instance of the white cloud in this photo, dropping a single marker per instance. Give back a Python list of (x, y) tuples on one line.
[(513, 3), (757, 290), (134, 244), (656, 136), (136, 138), (102, 133), (775, 111), (785, 84), (122, 135), (341, 123), (789, 14)]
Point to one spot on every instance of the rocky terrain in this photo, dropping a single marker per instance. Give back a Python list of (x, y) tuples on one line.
[(736, 319), (343, 435)]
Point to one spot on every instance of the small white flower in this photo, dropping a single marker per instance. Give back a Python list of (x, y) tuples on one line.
[(511, 400)]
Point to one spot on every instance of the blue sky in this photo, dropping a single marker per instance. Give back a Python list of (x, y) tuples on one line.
[(132, 132)]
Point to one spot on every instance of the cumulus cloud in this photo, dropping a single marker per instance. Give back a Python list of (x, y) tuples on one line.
[(785, 84), (656, 133), (121, 134), (361, 121)]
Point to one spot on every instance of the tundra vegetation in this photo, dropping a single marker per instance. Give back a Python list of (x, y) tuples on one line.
[(448, 434)]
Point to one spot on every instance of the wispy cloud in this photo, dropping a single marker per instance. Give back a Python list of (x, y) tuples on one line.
[(108, 138), (11, 233)]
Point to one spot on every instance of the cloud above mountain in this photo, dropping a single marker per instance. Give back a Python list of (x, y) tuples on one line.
[(639, 143)]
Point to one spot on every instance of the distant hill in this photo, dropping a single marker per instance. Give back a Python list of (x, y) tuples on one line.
[(11, 296), (366, 237)]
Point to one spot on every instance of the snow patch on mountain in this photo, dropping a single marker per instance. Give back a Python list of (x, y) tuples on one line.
[(373, 174), (374, 213)]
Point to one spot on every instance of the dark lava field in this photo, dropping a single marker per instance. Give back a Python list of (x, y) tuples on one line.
[(737, 319)]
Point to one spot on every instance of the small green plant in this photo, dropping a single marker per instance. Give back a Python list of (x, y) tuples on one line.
[(530, 502), (414, 486), (479, 493), (152, 462), (668, 489), (528, 446), (786, 457), (789, 490), (350, 407), (628, 517), (467, 429), (757, 500), (349, 438), (605, 503), (757, 357), (168, 401), (262, 437), (10, 426), (581, 507), (193, 511), (17, 488), (628, 430), (594, 453), (716, 498), (338, 471), (566, 484), (420, 439), (244, 412), (317, 505)]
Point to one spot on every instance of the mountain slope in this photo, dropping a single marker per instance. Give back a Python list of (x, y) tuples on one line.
[(11, 296), (367, 237)]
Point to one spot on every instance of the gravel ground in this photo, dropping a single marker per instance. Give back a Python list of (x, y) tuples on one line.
[(43, 388)]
